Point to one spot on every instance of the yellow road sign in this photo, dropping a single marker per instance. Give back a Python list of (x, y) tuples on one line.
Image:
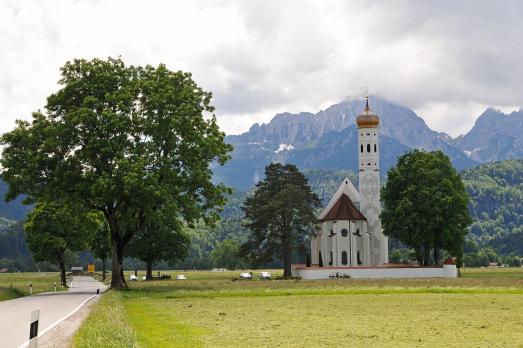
[(90, 268)]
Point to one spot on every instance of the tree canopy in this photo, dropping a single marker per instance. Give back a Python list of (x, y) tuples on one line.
[(425, 205), (53, 228), (125, 141), (160, 239), (280, 214)]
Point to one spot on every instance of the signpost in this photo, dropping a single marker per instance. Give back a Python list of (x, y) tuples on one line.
[(90, 268)]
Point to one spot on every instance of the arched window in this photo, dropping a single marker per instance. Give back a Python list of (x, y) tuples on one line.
[(344, 257), (330, 260), (358, 258), (344, 232), (375, 147), (368, 147), (361, 148)]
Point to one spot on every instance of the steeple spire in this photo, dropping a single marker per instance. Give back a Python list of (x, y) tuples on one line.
[(367, 119)]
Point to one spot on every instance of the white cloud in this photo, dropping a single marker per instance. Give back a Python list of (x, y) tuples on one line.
[(447, 60)]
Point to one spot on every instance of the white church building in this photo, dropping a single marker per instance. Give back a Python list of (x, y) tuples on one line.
[(350, 241)]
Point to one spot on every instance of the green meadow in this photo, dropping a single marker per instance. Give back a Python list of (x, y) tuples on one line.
[(13, 285), (483, 308)]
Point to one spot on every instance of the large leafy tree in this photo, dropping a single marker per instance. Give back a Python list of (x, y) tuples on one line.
[(55, 227), (159, 240), (280, 214), (124, 140), (425, 205)]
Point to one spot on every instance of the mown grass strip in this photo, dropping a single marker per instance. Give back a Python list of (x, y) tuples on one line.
[(107, 325), (161, 329), (319, 291)]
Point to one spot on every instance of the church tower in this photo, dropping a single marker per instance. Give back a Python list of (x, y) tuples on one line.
[(369, 182)]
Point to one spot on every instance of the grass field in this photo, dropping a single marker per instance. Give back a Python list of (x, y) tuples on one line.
[(483, 308), (13, 285)]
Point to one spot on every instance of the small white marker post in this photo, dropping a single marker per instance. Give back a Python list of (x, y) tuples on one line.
[(33, 329), (54, 286), (30, 288)]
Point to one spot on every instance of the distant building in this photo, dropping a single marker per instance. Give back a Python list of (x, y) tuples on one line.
[(77, 270)]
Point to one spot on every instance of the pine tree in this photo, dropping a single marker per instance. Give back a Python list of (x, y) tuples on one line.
[(280, 214)]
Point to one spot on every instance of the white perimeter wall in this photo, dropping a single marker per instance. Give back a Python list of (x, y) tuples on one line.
[(447, 271)]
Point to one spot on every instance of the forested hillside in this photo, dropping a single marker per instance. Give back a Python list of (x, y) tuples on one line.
[(204, 239), (496, 191), (13, 210)]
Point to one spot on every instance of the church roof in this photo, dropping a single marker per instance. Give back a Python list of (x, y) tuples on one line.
[(347, 188), (343, 209)]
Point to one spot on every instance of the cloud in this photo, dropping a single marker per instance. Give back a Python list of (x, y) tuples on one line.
[(447, 60)]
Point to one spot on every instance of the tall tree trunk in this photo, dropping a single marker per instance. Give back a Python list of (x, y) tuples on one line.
[(426, 256), (287, 259), (436, 256), (419, 256), (63, 280), (103, 269), (117, 278), (149, 274)]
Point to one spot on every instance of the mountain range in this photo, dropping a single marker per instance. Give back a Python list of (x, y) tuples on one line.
[(495, 136), (328, 140)]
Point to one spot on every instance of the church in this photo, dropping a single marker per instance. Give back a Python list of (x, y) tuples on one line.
[(350, 234), (349, 242)]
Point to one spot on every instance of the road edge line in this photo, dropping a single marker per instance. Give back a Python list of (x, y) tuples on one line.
[(56, 323)]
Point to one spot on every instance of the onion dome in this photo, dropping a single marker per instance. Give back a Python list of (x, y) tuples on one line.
[(367, 119)]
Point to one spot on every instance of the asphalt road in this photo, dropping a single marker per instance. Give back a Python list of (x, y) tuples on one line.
[(15, 315)]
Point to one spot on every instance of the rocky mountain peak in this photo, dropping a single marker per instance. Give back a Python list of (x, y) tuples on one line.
[(327, 139)]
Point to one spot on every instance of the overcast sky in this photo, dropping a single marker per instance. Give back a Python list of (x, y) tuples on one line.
[(448, 60)]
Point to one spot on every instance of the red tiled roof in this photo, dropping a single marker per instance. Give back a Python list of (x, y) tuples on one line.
[(343, 209)]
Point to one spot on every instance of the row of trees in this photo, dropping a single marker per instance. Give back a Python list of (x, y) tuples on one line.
[(424, 207), (129, 146), (478, 258)]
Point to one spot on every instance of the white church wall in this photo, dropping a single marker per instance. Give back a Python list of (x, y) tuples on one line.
[(447, 271)]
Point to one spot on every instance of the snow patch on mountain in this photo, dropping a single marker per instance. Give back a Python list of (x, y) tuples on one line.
[(284, 147)]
